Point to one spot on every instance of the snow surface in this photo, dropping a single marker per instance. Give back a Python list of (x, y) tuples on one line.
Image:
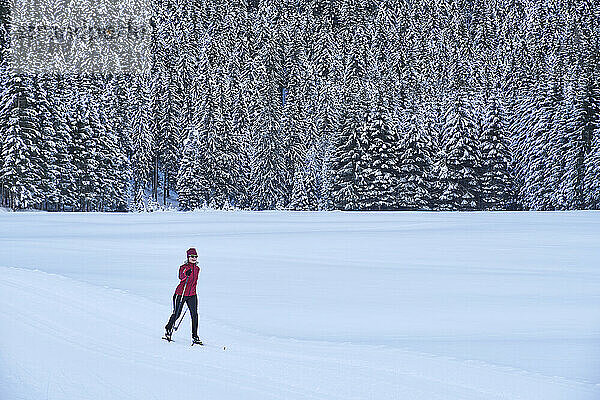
[(309, 306)]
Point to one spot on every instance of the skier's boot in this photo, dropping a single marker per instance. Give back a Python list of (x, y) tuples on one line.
[(196, 340), (168, 333)]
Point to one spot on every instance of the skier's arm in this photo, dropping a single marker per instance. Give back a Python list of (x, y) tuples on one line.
[(182, 275)]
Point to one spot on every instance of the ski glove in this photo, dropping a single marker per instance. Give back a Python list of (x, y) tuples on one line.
[(188, 272)]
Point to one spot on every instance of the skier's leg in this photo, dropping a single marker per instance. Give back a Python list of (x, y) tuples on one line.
[(177, 307), (192, 303)]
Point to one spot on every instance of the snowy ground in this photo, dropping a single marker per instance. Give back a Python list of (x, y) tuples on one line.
[(309, 306)]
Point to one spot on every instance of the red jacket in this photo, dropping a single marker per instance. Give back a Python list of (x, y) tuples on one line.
[(190, 287)]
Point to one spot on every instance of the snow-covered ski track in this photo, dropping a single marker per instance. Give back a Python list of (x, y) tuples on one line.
[(105, 341)]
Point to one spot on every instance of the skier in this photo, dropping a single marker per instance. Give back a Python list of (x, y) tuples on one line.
[(188, 274)]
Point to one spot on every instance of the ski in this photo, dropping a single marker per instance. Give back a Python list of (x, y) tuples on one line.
[(198, 343)]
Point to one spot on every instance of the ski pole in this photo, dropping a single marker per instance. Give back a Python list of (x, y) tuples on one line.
[(182, 304), (184, 311)]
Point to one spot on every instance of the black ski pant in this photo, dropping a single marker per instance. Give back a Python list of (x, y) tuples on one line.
[(192, 303)]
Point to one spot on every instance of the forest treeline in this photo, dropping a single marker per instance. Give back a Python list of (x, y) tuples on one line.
[(319, 105)]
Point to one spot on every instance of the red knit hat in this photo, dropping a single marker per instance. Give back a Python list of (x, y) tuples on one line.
[(191, 252)]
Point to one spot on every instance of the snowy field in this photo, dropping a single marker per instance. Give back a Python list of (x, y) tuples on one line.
[(415, 306)]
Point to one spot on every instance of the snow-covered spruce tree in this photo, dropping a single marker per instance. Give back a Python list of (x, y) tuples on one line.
[(222, 82), (113, 164), (326, 175), (432, 125), (305, 193), (307, 152), (414, 189), (99, 174), (103, 186), (348, 153), (379, 159), (518, 144), (189, 176), (299, 120), (581, 123), (82, 150), (138, 204), (122, 105), (348, 186), (141, 136), (297, 86), (213, 161), (63, 107), (192, 44), (3, 186), (230, 142), (170, 123), (462, 157), (270, 180), (300, 200), (21, 171), (555, 145), (268, 164), (118, 152), (589, 94), (592, 173), (48, 143), (326, 63), (4, 80), (532, 130), (495, 179), (237, 127), (325, 121)]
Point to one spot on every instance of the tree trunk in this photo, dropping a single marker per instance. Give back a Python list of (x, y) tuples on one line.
[(165, 188), (155, 180)]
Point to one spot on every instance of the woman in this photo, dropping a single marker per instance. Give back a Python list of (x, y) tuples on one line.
[(186, 293)]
